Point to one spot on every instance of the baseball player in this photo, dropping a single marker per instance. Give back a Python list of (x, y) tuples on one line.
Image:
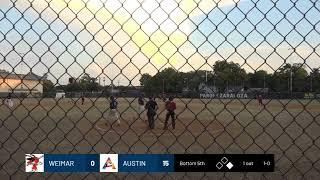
[(113, 113), (82, 99), (260, 99), (171, 107), (9, 101), (141, 107), (151, 107)]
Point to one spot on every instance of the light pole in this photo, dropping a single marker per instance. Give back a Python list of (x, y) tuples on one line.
[(214, 81), (21, 61), (264, 81), (214, 77), (111, 87), (227, 86), (291, 74), (187, 82), (311, 81), (206, 77), (162, 87), (291, 80)]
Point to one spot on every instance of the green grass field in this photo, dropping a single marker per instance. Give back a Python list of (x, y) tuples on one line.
[(290, 129)]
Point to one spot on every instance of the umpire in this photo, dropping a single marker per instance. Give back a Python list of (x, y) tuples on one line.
[(151, 107)]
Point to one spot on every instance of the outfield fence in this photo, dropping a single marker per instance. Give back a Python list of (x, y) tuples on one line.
[(93, 48)]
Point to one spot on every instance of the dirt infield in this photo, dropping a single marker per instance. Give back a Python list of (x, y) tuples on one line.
[(287, 128)]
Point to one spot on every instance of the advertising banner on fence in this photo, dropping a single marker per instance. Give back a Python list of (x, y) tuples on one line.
[(224, 95)]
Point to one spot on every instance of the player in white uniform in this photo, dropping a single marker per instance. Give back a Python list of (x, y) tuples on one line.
[(9, 101), (141, 108)]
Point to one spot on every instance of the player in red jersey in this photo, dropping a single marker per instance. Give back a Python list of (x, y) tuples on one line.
[(260, 99), (171, 107)]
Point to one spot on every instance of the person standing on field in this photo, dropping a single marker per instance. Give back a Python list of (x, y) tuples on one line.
[(82, 99), (113, 113), (141, 107), (151, 107), (9, 101), (171, 107), (260, 99)]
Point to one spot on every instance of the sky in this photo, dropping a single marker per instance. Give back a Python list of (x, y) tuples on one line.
[(118, 40)]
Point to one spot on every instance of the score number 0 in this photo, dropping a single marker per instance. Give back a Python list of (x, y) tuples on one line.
[(92, 163)]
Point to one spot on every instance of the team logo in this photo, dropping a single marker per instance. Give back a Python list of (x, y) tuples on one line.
[(34, 163), (108, 162)]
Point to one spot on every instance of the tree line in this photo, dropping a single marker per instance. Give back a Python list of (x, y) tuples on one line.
[(85, 83), (223, 76), (227, 75)]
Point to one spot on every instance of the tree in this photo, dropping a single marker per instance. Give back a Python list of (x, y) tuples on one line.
[(290, 75), (195, 78), (144, 78), (48, 86), (315, 80), (86, 83), (229, 74), (259, 79), (167, 80), (89, 83), (300, 76), (73, 87)]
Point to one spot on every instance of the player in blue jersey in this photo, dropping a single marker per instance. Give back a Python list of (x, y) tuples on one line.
[(113, 113), (151, 108)]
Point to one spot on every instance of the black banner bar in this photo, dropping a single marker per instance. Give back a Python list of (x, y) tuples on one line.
[(224, 162)]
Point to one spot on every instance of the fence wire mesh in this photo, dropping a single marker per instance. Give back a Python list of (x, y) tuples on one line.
[(61, 60)]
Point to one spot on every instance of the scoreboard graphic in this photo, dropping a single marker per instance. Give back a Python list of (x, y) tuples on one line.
[(112, 163)]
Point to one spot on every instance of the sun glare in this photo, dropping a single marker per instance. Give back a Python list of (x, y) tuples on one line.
[(151, 25)]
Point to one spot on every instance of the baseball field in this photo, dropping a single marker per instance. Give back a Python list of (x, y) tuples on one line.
[(290, 129)]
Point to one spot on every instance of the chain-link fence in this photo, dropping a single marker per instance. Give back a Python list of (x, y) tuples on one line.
[(244, 74)]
